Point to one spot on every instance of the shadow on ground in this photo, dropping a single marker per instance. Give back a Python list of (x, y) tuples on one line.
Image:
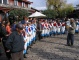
[(52, 42), (67, 50), (48, 55)]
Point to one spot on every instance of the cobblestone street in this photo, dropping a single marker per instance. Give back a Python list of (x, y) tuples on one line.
[(53, 48)]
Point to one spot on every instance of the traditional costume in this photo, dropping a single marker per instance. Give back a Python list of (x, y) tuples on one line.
[(63, 28), (54, 28), (58, 28)]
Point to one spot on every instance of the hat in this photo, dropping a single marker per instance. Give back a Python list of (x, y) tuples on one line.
[(19, 26), (68, 19), (72, 19)]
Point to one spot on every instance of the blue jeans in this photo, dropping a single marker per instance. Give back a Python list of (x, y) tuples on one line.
[(70, 39)]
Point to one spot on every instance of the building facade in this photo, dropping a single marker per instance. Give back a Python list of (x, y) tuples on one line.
[(75, 13), (10, 4), (7, 5)]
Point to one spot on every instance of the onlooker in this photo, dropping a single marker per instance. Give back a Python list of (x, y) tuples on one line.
[(0, 27), (15, 43), (13, 26), (71, 32), (39, 30), (0, 32), (25, 20), (4, 39), (67, 22), (8, 28), (30, 19)]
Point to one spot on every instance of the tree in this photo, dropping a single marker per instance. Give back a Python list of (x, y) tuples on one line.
[(66, 10), (50, 13), (60, 6), (56, 4), (18, 13)]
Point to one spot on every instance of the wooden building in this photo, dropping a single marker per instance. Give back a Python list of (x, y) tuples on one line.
[(7, 5), (75, 13)]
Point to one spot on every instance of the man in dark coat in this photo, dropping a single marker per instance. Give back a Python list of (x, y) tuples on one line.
[(15, 43), (39, 30)]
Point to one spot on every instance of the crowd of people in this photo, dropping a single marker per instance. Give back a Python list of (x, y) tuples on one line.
[(19, 36)]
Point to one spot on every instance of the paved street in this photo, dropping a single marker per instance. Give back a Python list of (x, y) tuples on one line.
[(53, 48)]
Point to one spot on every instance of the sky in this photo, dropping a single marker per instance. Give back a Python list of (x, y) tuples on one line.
[(41, 4)]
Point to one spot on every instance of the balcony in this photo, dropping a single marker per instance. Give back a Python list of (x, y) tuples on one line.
[(3, 5), (14, 7), (76, 8)]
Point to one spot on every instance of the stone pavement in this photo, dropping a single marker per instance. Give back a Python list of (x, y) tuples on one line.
[(53, 48)]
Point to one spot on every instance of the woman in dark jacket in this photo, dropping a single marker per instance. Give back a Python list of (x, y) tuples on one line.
[(4, 39)]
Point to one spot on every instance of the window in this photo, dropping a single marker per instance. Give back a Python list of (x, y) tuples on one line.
[(16, 2), (28, 6), (5, 1), (0, 1), (23, 4)]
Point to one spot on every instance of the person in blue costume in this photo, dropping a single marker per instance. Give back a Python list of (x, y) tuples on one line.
[(25, 40), (33, 28), (77, 26)]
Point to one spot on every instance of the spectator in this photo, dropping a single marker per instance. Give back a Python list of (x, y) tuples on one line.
[(4, 39), (0, 27), (15, 43), (13, 26), (0, 32), (8, 28), (30, 19), (25, 20), (39, 30), (71, 32)]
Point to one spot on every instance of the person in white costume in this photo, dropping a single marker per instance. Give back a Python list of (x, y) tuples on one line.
[(77, 26), (49, 28), (67, 25), (33, 28), (25, 45), (42, 24), (28, 35), (54, 27), (46, 28), (58, 27), (63, 28)]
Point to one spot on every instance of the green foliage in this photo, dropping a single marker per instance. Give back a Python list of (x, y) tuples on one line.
[(18, 12), (66, 10), (56, 4), (50, 13), (60, 7)]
